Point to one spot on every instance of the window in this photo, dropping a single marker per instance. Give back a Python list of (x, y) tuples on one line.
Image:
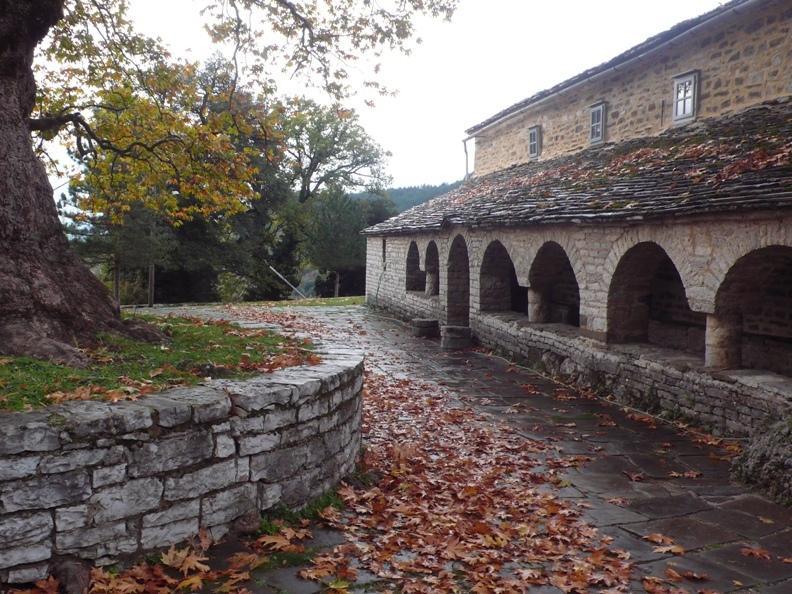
[(685, 96), (534, 141), (597, 123), (384, 249)]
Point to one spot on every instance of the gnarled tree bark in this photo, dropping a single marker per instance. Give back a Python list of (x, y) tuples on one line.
[(50, 303)]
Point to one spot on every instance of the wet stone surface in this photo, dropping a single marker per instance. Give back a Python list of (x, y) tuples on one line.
[(642, 477)]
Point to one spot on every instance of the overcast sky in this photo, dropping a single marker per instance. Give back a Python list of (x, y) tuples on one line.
[(492, 54)]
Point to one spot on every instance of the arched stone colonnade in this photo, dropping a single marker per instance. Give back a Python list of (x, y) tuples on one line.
[(719, 289)]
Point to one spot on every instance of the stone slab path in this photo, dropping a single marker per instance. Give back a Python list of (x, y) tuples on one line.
[(643, 477)]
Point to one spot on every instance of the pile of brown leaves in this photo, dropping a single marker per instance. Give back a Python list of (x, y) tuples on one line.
[(178, 570), (288, 321), (462, 503)]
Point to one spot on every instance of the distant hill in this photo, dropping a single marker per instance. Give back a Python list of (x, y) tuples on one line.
[(407, 197)]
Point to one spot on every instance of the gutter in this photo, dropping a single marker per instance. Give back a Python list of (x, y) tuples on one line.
[(616, 68)]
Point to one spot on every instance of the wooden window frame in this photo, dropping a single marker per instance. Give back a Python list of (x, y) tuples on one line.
[(537, 151), (597, 109), (693, 79)]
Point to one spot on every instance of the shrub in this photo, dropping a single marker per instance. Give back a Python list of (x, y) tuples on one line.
[(231, 287)]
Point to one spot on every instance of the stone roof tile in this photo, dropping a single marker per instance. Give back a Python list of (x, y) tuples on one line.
[(734, 163)]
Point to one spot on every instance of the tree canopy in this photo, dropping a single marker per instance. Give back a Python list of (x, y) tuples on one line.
[(152, 129)]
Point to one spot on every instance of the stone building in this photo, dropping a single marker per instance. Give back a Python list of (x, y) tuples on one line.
[(629, 228)]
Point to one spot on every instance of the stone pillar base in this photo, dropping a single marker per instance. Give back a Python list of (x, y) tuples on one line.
[(425, 328), (455, 337), (536, 307), (723, 342)]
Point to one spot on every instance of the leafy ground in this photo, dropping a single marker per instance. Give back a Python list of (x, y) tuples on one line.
[(462, 504), (315, 302), (123, 369), (450, 498), (453, 503)]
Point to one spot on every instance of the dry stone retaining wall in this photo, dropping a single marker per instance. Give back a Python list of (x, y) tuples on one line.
[(101, 481)]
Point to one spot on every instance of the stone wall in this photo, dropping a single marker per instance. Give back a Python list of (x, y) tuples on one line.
[(706, 267), (104, 482), (653, 379), (742, 59)]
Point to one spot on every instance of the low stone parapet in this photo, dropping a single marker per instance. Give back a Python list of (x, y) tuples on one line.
[(651, 378), (103, 482)]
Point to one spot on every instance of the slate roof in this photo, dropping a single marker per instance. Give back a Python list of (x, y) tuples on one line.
[(646, 46), (734, 163)]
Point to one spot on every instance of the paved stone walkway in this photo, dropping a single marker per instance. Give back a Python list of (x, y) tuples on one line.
[(628, 485)]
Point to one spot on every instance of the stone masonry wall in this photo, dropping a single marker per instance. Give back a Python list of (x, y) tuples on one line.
[(103, 482), (742, 59), (650, 379), (702, 250)]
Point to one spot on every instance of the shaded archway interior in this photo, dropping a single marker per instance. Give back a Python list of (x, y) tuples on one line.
[(756, 298), (647, 302), (499, 289), (458, 293), (554, 295), (416, 278)]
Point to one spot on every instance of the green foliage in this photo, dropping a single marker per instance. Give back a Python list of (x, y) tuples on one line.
[(195, 349), (327, 146), (198, 169), (333, 240), (311, 146), (153, 129), (231, 287), (273, 519)]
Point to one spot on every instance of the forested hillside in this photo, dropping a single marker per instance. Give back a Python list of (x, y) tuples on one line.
[(409, 196)]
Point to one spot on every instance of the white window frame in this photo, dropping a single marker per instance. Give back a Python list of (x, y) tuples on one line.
[(594, 110), (689, 101), (535, 130)]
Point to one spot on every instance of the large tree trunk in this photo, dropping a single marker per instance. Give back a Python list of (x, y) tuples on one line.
[(50, 303)]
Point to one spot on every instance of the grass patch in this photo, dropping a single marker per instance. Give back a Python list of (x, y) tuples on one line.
[(274, 519), (314, 302), (123, 369)]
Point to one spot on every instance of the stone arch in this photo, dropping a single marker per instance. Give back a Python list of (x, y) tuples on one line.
[(415, 278), (499, 289), (554, 294), (677, 252), (458, 283), (432, 269), (647, 302), (730, 248), (753, 311)]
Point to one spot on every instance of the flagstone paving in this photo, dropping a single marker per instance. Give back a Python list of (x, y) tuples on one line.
[(642, 478)]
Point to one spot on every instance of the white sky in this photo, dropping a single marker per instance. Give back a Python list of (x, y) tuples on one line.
[(492, 54)]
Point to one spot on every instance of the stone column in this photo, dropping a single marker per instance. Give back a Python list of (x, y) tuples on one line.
[(432, 283), (723, 342), (536, 306)]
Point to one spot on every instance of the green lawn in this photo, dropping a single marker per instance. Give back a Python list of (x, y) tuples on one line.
[(123, 369)]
